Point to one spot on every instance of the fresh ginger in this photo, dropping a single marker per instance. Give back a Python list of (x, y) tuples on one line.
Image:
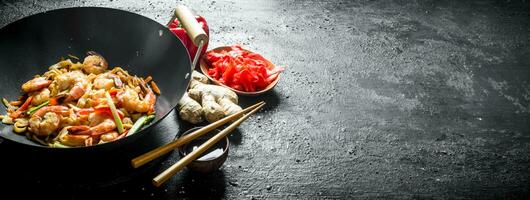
[(190, 110), (215, 101)]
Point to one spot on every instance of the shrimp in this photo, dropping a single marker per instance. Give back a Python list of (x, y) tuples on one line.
[(72, 119), (129, 99), (103, 127), (46, 120), (35, 84), (99, 123), (107, 81), (110, 136), (40, 97), (94, 64), (92, 99), (72, 140), (75, 80)]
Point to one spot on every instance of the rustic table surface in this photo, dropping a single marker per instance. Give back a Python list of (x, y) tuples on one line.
[(380, 99)]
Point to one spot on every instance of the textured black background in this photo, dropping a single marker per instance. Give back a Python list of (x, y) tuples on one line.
[(380, 99)]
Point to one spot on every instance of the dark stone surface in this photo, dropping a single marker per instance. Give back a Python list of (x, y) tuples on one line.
[(380, 99)]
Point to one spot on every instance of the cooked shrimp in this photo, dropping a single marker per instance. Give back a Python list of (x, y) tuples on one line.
[(46, 120), (76, 81), (95, 64), (40, 97), (110, 136), (75, 93), (92, 99), (107, 81), (74, 140), (130, 100), (103, 127), (35, 84), (72, 119), (63, 110), (99, 123)]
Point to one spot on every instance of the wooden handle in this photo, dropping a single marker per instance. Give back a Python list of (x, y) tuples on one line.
[(155, 153), (190, 24), (168, 173)]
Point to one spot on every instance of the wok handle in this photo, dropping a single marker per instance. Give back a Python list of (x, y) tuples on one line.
[(190, 24)]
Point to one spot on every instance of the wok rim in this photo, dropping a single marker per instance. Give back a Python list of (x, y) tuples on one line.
[(128, 138)]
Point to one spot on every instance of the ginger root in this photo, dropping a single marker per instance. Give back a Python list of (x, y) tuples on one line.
[(190, 110), (216, 102)]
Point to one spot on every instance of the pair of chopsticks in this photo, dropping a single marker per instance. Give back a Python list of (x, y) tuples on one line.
[(168, 173)]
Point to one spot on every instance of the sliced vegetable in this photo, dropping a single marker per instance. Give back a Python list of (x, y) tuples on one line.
[(34, 109), (139, 123), (119, 124), (114, 91), (149, 119), (149, 78), (102, 109), (22, 108), (155, 87), (54, 101), (241, 69), (107, 110)]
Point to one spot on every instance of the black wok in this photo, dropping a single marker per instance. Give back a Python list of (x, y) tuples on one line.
[(136, 43)]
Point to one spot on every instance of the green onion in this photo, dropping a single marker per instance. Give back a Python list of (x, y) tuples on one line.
[(114, 112), (34, 109), (139, 123)]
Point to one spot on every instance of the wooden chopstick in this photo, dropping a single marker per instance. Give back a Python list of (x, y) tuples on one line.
[(168, 173), (155, 153)]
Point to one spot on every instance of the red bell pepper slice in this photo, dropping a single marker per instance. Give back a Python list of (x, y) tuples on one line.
[(106, 110), (54, 101), (114, 91), (99, 110), (241, 69)]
